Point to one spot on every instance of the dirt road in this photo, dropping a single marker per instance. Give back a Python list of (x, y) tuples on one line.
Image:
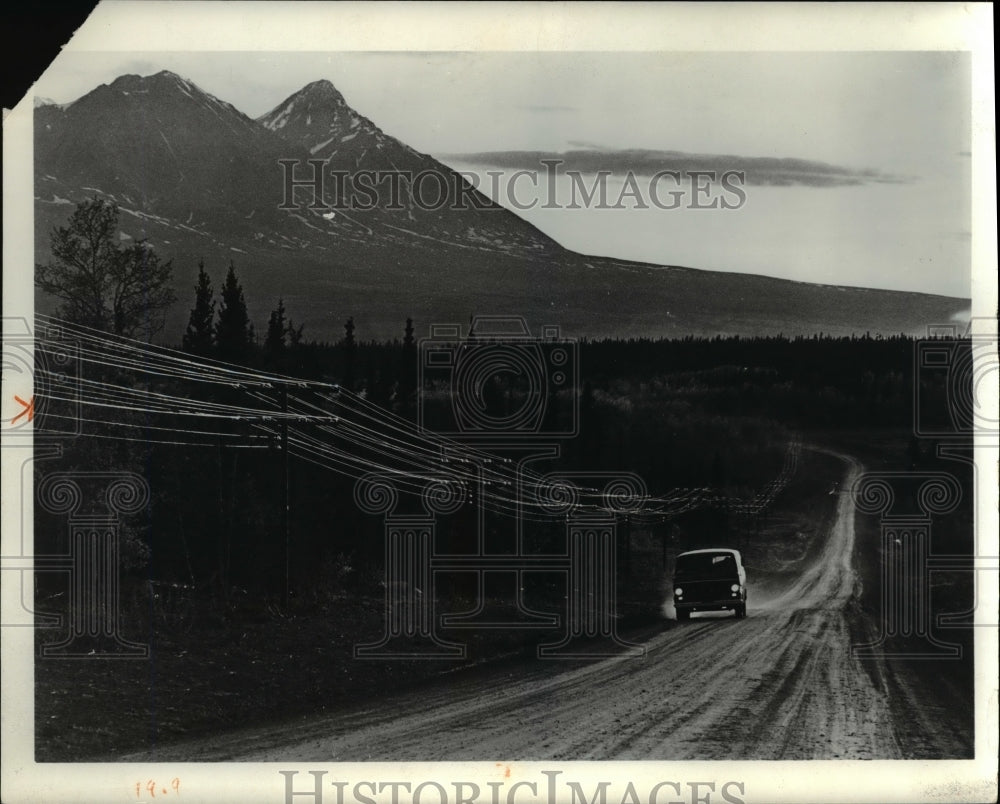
[(781, 684)]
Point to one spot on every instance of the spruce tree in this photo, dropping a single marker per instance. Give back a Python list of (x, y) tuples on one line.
[(408, 367), (277, 328), (199, 337), (350, 348), (233, 332), (294, 334)]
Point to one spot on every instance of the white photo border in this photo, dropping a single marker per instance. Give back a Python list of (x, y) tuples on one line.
[(315, 26)]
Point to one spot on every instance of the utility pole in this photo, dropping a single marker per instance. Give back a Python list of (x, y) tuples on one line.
[(286, 458), (285, 501)]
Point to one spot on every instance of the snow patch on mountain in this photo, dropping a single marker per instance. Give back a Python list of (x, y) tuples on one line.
[(322, 145), (282, 119)]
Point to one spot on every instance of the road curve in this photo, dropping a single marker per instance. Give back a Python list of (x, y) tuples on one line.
[(781, 684)]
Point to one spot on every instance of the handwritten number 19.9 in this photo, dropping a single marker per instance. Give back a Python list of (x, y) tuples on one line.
[(153, 788)]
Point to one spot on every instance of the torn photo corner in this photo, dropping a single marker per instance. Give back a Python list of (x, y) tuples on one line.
[(502, 403)]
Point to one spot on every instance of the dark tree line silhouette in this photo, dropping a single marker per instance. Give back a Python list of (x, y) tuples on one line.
[(694, 412)]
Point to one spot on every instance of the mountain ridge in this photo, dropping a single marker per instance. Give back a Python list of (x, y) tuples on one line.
[(319, 119), (201, 180)]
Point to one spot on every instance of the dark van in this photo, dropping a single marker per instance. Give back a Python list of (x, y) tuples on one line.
[(710, 580)]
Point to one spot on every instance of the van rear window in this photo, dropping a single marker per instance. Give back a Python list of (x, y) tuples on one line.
[(706, 565)]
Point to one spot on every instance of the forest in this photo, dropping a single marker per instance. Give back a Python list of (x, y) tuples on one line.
[(251, 436), (713, 415)]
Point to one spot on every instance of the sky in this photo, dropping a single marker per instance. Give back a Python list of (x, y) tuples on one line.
[(905, 115)]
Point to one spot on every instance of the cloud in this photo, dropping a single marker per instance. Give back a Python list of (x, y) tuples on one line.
[(772, 171), (588, 146)]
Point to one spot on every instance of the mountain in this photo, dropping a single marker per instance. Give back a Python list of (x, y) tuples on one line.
[(318, 118), (202, 181), (160, 145)]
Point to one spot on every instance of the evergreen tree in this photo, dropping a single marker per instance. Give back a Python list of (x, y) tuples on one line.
[(282, 334), (199, 337), (233, 332), (294, 334), (350, 350), (407, 369), (277, 329)]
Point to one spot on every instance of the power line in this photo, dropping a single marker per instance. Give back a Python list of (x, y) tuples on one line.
[(314, 417)]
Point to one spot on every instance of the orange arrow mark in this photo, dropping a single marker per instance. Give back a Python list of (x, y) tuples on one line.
[(29, 409)]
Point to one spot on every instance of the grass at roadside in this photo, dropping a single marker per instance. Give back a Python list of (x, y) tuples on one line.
[(211, 679)]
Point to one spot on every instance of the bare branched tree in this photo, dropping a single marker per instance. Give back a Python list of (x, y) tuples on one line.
[(102, 284)]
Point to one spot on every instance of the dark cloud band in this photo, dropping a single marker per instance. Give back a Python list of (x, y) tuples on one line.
[(760, 171)]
